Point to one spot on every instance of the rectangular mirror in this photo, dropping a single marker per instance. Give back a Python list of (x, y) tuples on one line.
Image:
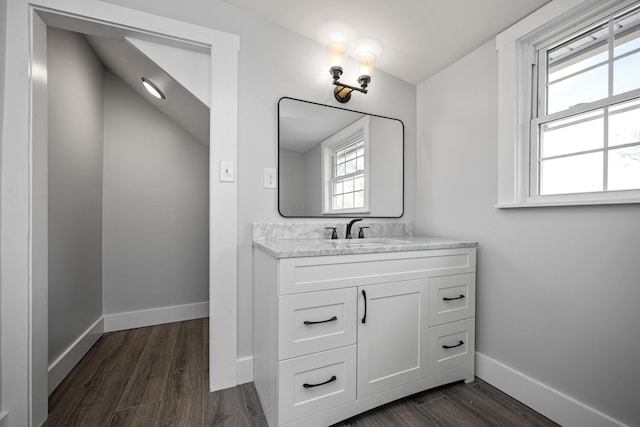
[(334, 162)]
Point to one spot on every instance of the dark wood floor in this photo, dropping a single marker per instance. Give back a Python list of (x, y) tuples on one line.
[(158, 376)]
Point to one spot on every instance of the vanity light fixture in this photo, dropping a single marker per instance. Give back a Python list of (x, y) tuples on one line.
[(152, 88), (366, 61)]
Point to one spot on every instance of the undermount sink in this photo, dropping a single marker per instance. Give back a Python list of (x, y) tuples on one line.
[(370, 241)]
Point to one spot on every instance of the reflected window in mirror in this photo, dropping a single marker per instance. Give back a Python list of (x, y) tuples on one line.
[(346, 169), (312, 176)]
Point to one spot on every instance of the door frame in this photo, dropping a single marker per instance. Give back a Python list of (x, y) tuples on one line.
[(23, 268)]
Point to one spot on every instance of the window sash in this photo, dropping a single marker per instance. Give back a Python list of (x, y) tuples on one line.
[(355, 135), (540, 101), (353, 145)]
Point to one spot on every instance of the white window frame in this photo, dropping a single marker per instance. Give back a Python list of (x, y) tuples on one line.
[(328, 147), (517, 50)]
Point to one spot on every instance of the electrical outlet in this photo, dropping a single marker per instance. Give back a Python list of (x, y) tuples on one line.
[(269, 178)]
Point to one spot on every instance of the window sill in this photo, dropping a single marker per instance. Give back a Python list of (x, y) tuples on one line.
[(551, 201)]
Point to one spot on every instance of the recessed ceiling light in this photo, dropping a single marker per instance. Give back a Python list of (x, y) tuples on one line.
[(152, 88)]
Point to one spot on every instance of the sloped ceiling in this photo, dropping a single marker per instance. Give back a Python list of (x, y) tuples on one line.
[(130, 66)]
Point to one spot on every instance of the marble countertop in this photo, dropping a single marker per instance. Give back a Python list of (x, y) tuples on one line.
[(291, 248)]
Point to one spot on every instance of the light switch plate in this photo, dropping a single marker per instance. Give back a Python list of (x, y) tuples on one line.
[(226, 171), (269, 178)]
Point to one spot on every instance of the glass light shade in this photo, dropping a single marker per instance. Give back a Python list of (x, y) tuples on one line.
[(366, 63), (152, 88), (337, 53)]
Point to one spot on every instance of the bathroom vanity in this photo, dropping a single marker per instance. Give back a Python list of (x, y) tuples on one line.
[(341, 327)]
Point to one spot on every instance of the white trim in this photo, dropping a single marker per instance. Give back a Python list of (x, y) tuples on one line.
[(515, 46), (331, 145), (552, 403), (61, 367), (245, 370), (20, 313), (154, 316)]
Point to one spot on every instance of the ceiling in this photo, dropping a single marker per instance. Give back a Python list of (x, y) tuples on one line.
[(418, 37), (302, 124)]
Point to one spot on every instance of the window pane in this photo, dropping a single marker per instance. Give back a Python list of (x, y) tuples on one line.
[(338, 188), (348, 185), (351, 152), (348, 201), (579, 133), (337, 201), (627, 34), (624, 168), (584, 87), (626, 73), (351, 166), (360, 163), (578, 54), (359, 199), (359, 183), (575, 174), (624, 123), (340, 170)]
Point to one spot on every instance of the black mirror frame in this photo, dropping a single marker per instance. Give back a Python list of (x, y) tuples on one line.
[(338, 215)]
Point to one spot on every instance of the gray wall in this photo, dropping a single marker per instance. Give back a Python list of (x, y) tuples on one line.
[(313, 181), (75, 79), (385, 157), (292, 194), (156, 207), (557, 287), (296, 68), (3, 41)]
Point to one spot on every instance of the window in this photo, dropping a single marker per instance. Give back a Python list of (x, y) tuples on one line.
[(345, 169), (577, 136), (586, 136)]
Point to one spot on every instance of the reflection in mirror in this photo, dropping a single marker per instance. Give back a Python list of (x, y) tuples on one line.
[(334, 162)]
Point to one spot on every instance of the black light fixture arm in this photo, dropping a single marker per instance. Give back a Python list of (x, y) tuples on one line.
[(342, 92)]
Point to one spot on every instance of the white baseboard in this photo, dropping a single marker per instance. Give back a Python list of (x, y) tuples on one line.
[(61, 367), (244, 373), (155, 316), (553, 404)]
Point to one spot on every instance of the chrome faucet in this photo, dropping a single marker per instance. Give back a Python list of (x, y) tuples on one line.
[(348, 236)]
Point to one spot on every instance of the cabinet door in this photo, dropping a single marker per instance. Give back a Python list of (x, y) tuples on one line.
[(392, 335)]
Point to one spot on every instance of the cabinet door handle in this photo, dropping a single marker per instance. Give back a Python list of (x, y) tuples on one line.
[(453, 346), (307, 385), (309, 322), (452, 299), (364, 295)]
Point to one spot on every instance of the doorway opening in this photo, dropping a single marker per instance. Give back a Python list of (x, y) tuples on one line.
[(28, 403)]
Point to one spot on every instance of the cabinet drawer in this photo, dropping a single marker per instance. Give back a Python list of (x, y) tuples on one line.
[(315, 383), (451, 345), (338, 271), (451, 298), (316, 321)]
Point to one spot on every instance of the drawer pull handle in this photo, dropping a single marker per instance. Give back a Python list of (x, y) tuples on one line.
[(364, 295), (309, 322), (453, 346), (452, 299), (330, 380)]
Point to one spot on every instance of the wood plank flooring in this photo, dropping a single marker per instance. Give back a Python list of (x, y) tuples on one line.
[(159, 376)]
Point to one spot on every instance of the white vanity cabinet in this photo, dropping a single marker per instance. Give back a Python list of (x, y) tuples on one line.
[(337, 335)]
